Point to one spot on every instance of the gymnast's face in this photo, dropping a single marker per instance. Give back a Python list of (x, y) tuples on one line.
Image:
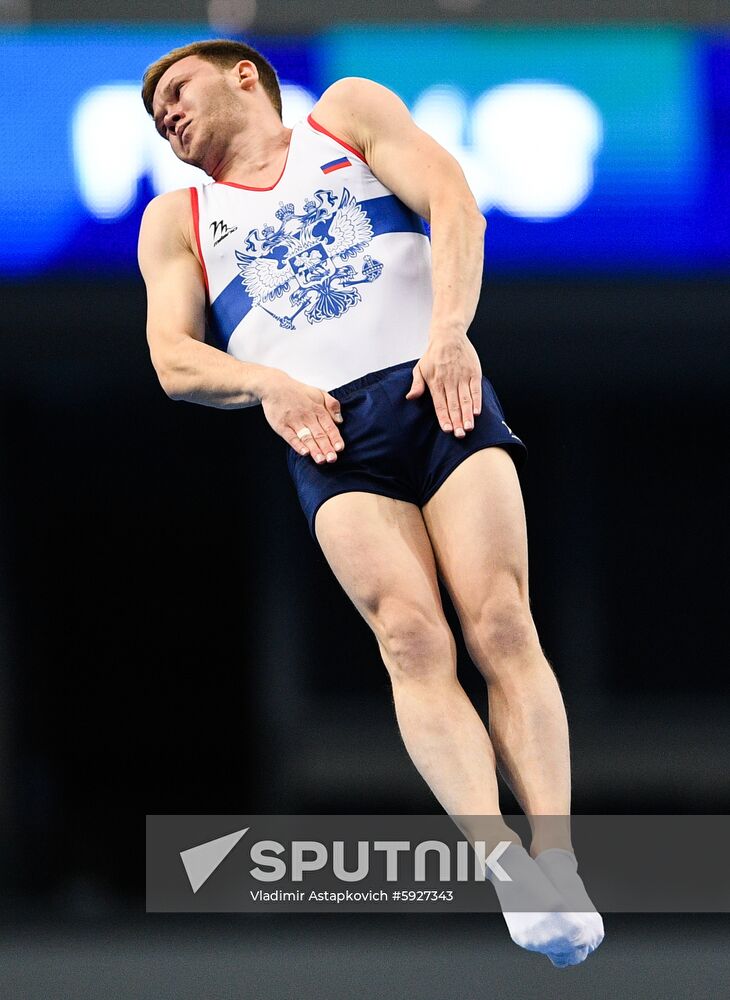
[(200, 108)]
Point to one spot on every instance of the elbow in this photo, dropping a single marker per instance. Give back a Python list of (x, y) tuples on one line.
[(171, 391), (480, 221), (471, 213), (176, 369), (461, 205), (168, 380), (170, 373), (473, 221), (478, 226), (170, 385)]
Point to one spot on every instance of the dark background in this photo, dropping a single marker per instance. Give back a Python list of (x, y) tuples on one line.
[(174, 640)]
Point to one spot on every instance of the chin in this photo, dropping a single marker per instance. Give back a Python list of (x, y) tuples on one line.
[(191, 159)]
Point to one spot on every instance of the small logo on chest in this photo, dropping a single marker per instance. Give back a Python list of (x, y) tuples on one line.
[(220, 231)]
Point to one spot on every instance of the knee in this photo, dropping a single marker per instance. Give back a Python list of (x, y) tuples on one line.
[(501, 631), (414, 646)]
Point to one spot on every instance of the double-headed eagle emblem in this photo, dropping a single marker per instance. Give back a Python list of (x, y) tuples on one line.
[(306, 256)]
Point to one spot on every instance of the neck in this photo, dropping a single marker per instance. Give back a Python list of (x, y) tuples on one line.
[(256, 156)]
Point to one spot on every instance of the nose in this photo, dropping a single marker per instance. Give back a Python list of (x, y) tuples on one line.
[(171, 118)]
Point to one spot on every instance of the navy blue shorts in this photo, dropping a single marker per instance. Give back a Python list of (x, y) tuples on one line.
[(395, 446)]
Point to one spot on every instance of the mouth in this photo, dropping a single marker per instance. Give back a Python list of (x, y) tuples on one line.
[(181, 133)]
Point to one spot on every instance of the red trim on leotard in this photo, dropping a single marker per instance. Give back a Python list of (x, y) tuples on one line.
[(323, 130), (196, 226)]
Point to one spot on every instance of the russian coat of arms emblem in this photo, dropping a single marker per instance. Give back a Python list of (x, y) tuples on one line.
[(312, 256)]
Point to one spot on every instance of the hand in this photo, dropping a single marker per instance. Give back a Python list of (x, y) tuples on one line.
[(451, 369), (291, 406)]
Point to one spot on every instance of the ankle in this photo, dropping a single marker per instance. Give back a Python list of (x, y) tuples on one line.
[(563, 844), (552, 831), (487, 830)]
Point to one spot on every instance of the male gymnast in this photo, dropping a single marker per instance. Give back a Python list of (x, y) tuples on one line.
[(327, 304)]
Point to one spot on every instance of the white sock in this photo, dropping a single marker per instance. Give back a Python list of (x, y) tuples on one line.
[(561, 868), (529, 889), (535, 912)]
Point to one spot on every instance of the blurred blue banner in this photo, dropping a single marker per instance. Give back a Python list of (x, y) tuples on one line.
[(590, 150)]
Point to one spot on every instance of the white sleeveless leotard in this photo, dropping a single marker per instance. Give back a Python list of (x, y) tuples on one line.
[(326, 275)]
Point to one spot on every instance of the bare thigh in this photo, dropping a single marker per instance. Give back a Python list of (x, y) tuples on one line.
[(476, 524), (380, 552)]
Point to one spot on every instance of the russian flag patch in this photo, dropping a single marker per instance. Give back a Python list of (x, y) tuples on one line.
[(343, 161)]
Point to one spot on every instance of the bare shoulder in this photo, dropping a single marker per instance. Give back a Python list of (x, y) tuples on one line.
[(355, 90), (355, 107), (167, 224), (374, 121), (172, 203)]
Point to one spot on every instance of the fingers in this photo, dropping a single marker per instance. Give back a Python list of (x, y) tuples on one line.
[(418, 385), (457, 404), (329, 438), (452, 402), (440, 402), (316, 434), (467, 405), (475, 389), (333, 407)]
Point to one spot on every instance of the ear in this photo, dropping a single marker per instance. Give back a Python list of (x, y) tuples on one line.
[(246, 73)]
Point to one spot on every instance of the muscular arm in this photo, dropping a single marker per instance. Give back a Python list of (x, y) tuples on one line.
[(187, 367), (430, 181), (426, 178), (192, 370)]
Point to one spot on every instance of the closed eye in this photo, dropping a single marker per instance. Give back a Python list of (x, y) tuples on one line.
[(159, 124)]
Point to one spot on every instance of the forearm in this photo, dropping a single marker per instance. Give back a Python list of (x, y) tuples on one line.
[(199, 373), (457, 252)]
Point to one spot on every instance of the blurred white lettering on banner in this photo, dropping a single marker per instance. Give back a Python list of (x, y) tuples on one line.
[(527, 148)]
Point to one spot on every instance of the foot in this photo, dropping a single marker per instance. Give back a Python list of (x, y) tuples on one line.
[(536, 914), (561, 868), (560, 936)]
